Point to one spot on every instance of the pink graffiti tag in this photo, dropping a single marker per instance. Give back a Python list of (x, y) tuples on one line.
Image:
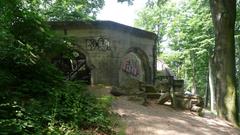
[(131, 67)]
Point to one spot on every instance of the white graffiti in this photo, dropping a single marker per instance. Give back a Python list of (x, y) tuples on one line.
[(100, 44)]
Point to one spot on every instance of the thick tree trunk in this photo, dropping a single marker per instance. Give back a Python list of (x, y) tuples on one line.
[(224, 15)]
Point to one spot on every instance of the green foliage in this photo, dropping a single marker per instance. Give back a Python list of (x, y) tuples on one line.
[(34, 96), (237, 45), (130, 2), (70, 108), (82, 108), (68, 10), (185, 34)]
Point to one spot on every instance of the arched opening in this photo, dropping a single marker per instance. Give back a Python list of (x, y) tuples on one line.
[(74, 67), (135, 67), (145, 63)]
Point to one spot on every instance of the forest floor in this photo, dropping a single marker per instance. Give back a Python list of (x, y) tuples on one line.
[(155, 119)]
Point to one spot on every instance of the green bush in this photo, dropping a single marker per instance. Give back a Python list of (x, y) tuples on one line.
[(77, 105), (68, 109), (34, 96)]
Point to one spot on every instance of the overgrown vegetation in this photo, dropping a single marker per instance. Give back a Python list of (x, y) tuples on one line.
[(69, 109), (199, 45), (186, 38), (35, 98)]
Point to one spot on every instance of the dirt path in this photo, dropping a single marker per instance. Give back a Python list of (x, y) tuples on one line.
[(163, 120)]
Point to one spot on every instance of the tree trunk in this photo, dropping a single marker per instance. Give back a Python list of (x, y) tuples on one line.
[(224, 15), (211, 85), (194, 87), (206, 92)]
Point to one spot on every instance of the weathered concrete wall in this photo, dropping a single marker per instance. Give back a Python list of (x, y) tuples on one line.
[(106, 48)]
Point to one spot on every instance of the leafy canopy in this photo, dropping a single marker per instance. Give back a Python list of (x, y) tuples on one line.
[(185, 37)]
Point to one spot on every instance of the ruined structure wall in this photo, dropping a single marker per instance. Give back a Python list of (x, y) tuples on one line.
[(106, 63)]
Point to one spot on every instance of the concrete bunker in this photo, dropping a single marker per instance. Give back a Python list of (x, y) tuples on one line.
[(108, 45)]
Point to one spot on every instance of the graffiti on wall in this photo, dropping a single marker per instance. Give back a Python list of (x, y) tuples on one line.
[(131, 66), (98, 44)]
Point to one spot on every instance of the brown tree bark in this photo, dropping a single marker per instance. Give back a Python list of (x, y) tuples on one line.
[(223, 16)]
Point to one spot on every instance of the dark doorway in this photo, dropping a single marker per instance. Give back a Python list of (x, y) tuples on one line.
[(74, 67)]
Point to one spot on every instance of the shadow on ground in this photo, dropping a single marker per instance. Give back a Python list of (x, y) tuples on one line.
[(157, 119)]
